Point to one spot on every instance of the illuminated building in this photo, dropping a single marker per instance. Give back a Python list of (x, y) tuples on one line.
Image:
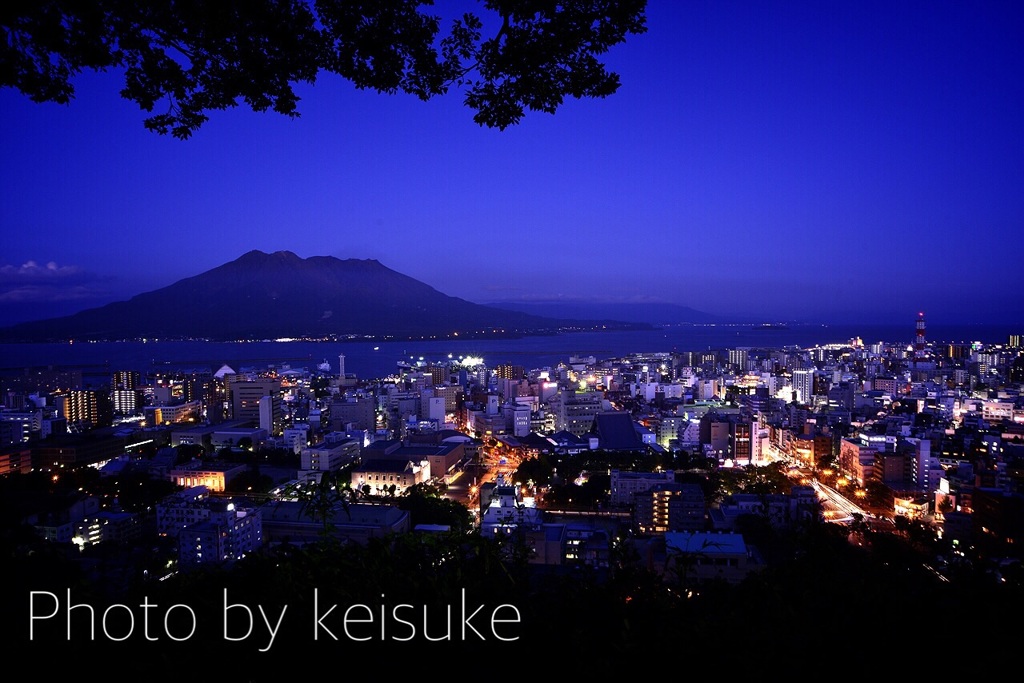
[(84, 408), (452, 395), (353, 413), (669, 427), (923, 362), (124, 379), (182, 509), (155, 416), (381, 474), (296, 437), (575, 410), (432, 408), (738, 359), (887, 385), (127, 401), (439, 458), (18, 426), (327, 457), (229, 533), (716, 436), (504, 509), (803, 386), (271, 414), (246, 394), (512, 372), (669, 506), (856, 460), (15, 458), (626, 485), (61, 522), (107, 526), (439, 374), (213, 477)]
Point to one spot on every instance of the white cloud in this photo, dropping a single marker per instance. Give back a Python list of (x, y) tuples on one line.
[(31, 270), (32, 282)]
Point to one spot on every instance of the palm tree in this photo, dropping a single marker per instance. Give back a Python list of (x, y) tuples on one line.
[(322, 498), (683, 562)]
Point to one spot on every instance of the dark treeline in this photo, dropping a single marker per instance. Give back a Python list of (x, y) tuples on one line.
[(820, 596)]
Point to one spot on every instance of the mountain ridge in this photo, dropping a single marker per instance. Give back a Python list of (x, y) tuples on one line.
[(649, 312)]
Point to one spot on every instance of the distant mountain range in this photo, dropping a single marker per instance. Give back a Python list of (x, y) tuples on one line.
[(270, 296), (648, 312)]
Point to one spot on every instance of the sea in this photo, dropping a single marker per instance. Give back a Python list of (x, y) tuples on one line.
[(368, 360)]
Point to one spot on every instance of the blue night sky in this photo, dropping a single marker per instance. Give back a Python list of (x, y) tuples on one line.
[(826, 161)]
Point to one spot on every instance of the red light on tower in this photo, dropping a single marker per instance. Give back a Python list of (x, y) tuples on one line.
[(919, 344)]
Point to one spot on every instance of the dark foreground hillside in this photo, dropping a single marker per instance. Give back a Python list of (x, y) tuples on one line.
[(470, 607)]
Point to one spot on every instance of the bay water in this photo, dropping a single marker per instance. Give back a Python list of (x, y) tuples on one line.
[(367, 359)]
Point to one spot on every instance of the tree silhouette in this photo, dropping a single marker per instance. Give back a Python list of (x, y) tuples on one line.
[(683, 564), (321, 499), (202, 57), (945, 504), (426, 506)]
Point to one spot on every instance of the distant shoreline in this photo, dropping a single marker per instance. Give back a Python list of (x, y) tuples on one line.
[(371, 359)]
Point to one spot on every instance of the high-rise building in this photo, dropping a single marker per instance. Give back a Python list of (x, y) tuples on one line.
[(452, 395), (228, 533), (127, 401), (328, 456), (271, 414), (85, 408), (507, 371), (803, 385), (716, 436), (669, 506), (246, 395), (738, 359), (124, 379), (744, 447), (576, 410), (354, 413), (432, 408), (441, 375)]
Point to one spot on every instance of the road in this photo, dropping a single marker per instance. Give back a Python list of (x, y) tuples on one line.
[(842, 508)]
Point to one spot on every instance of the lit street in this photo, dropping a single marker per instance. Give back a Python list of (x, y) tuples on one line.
[(837, 507)]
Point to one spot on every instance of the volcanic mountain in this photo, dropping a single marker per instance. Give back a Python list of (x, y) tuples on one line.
[(266, 296)]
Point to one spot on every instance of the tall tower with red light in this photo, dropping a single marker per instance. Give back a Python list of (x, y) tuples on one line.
[(919, 344)]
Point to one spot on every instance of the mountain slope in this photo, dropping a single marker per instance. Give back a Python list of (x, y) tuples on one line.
[(261, 295)]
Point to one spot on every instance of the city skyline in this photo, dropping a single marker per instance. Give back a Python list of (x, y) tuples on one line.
[(792, 161), (687, 503)]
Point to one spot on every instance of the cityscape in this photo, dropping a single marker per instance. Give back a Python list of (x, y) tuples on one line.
[(704, 474), (561, 341)]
